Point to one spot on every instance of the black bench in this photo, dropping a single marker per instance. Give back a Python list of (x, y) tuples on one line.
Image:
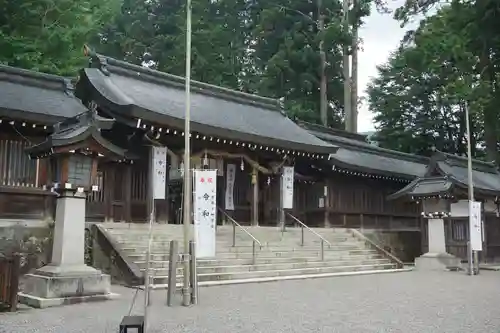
[(136, 322)]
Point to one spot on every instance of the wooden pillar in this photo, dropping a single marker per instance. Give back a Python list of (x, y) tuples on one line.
[(281, 210), (127, 195), (109, 185), (484, 253), (449, 232), (255, 197), (327, 205)]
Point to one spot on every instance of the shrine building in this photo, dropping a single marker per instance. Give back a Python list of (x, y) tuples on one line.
[(341, 182)]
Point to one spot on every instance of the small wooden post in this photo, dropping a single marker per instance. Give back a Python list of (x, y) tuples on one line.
[(14, 281)]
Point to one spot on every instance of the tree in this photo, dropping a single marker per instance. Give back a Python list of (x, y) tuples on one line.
[(286, 56), (48, 35), (155, 31), (268, 48), (421, 93), (470, 44)]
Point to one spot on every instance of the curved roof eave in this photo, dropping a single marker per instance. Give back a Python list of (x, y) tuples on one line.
[(281, 131)]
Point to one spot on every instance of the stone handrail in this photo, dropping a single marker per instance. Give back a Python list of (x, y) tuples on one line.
[(108, 246), (356, 233)]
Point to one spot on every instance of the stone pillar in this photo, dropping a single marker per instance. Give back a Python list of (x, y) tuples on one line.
[(436, 258), (436, 236), (67, 280)]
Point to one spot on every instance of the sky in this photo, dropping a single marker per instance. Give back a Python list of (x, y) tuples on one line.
[(381, 35)]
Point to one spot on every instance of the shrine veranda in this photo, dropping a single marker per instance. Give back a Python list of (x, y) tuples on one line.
[(339, 180)]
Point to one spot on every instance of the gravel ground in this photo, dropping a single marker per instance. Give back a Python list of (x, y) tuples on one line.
[(402, 302)]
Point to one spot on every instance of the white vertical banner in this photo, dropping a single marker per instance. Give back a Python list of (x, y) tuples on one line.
[(230, 177), (205, 213), (287, 187), (159, 172), (475, 226)]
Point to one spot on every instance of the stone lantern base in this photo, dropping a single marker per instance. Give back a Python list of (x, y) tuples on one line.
[(437, 262), (54, 285), (437, 258), (67, 280)]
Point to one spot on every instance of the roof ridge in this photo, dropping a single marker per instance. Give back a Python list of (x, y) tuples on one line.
[(334, 131), (366, 147), (37, 79), (460, 161), (465, 159), (104, 63), (408, 157)]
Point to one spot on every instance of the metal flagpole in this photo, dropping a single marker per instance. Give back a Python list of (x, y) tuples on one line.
[(470, 186), (186, 291), (151, 204)]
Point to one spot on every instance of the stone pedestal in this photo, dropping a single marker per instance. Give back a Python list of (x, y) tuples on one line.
[(66, 280), (437, 258)]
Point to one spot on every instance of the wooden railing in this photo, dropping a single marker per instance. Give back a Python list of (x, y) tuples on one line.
[(16, 169), (9, 282)]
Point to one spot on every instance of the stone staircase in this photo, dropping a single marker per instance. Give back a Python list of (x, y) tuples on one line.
[(281, 255)]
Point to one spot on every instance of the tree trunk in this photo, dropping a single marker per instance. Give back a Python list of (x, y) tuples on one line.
[(346, 71), (354, 74), (490, 114), (323, 87)]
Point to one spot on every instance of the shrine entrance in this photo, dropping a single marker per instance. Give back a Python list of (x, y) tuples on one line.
[(175, 191)]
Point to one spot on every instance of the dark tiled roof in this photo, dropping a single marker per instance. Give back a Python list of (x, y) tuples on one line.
[(355, 153), (446, 172), (156, 97), (37, 97), (421, 187), (485, 175), (76, 130)]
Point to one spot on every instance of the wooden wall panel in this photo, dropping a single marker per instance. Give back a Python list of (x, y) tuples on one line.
[(23, 205)]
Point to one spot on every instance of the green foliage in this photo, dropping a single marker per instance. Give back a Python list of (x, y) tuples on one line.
[(156, 31), (265, 47), (448, 63), (286, 61), (48, 35)]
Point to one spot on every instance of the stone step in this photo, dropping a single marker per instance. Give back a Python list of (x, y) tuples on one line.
[(282, 254), (229, 240), (285, 278), (165, 246), (266, 234), (202, 277), (229, 232), (244, 249), (272, 266), (230, 262)]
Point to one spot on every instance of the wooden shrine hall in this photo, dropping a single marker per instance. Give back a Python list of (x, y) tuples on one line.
[(339, 179)]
